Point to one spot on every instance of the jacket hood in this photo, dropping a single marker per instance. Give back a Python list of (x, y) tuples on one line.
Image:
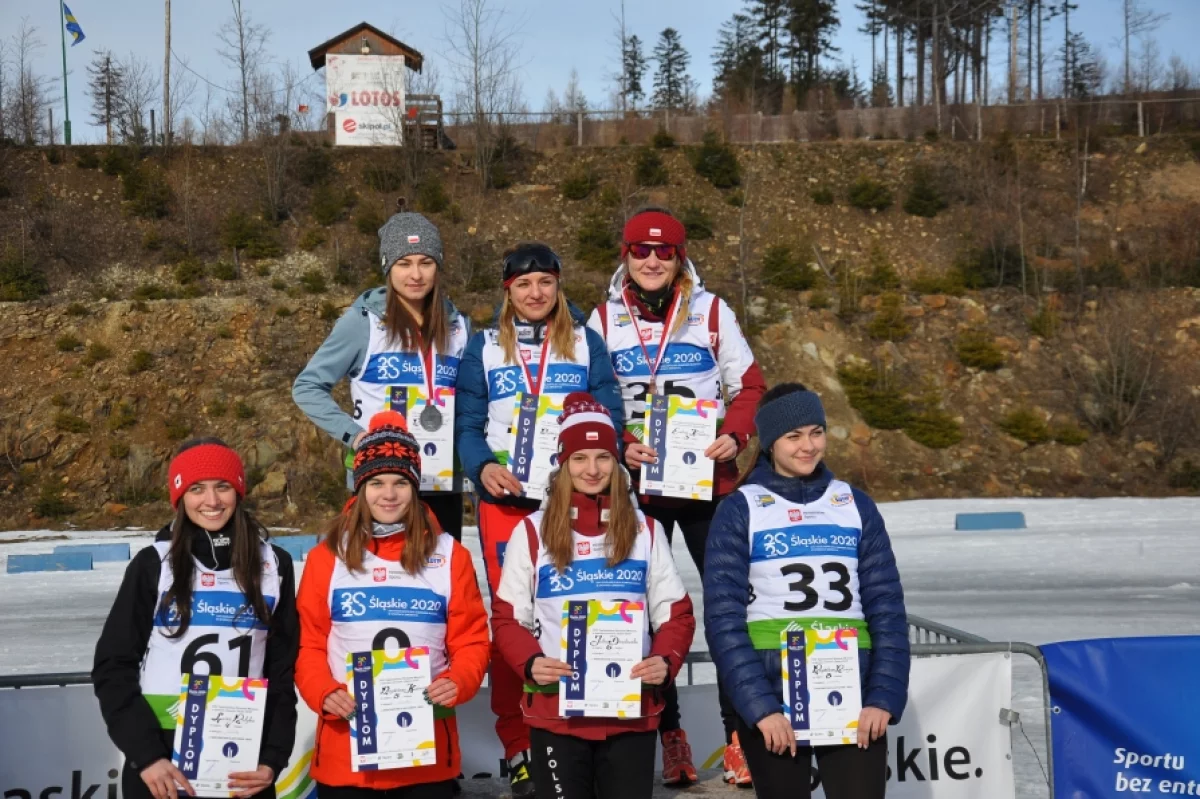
[(617, 284), (375, 301), (800, 490)]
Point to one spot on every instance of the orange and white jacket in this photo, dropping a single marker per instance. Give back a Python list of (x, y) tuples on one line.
[(458, 641)]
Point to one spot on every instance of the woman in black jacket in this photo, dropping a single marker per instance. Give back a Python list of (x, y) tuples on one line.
[(171, 616)]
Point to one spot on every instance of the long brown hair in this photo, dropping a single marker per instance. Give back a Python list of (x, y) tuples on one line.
[(246, 535), (622, 527), (683, 275), (349, 535), (402, 328), (561, 328)]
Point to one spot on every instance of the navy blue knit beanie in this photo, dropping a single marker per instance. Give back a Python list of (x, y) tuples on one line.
[(784, 414)]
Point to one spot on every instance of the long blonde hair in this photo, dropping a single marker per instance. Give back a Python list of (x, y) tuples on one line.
[(561, 329), (349, 535), (622, 528)]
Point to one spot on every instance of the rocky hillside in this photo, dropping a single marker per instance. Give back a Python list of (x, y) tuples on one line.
[(175, 309)]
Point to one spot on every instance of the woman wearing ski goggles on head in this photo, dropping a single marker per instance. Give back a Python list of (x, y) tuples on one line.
[(538, 348), (668, 335)]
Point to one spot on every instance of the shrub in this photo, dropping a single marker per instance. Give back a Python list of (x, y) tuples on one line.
[(382, 176), (595, 244), (224, 332), (58, 401), (649, 169), (822, 195), (883, 276), (123, 415), (311, 239), (889, 323), (818, 301), (1069, 435), (152, 240), (783, 270), (977, 350), (116, 161), (77, 309), (990, 267), (874, 396), (736, 198), (242, 410), (924, 198), (313, 281), (69, 423), (68, 342), (455, 213), (283, 312), (224, 270), (697, 223), (1187, 478), (950, 282), (262, 270), (139, 305), (870, 195), (431, 196), (368, 220), (147, 192), (240, 231), (96, 352), (1025, 425), (328, 312), (328, 205), (716, 161), (86, 158), (189, 271), (934, 428), (279, 284), (1108, 274), (140, 361), (177, 429), (50, 503), (152, 291), (20, 280), (579, 184), (1045, 322), (662, 140), (314, 166), (118, 450)]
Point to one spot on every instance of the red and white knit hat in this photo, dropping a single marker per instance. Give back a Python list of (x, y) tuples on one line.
[(585, 424), (204, 459)]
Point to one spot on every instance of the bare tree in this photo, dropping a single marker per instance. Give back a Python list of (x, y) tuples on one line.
[(574, 101), (243, 43), (139, 91), (3, 91), (1149, 69), (1180, 77), (30, 96), (1136, 20), (483, 56), (620, 77), (183, 89)]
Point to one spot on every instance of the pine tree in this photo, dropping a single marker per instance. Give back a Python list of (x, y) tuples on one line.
[(671, 79), (739, 63), (105, 78), (811, 24), (634, 67)]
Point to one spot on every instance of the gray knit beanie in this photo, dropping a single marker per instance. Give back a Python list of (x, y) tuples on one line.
[(784, 414), (407, 233)]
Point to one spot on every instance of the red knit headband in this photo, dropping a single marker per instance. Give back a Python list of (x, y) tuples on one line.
[(205, 462)]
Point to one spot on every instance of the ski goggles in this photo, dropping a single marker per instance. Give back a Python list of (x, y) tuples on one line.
[(665, 252), (529, 260)]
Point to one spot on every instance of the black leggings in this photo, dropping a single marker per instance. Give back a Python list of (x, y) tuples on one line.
[(447, 507), (426, 790), (693, 518), (132, 786), (566, 767), (847, 772)]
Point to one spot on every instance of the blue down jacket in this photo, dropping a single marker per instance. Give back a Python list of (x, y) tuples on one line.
[(752, 678)]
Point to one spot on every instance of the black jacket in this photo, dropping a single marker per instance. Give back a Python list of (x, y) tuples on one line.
[(125, 640)]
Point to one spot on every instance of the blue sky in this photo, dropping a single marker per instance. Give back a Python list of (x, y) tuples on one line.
[(554, 36)]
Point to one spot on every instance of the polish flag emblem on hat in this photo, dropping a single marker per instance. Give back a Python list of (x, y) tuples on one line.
[(592, 435), (414, 239), (656, 232)]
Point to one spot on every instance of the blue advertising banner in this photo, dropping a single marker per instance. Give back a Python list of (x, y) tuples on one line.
[(1125, 713)]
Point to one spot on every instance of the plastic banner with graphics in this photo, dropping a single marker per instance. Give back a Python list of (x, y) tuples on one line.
[(950, 745), (365, 93), (1124, 716)]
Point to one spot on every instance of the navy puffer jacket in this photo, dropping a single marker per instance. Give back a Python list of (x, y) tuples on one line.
[(752, 678)]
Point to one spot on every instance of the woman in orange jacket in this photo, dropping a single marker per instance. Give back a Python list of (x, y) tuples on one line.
[(386, 541)]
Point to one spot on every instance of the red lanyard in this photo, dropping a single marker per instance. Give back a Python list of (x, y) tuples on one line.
[(536, 387), (427, 364), (663, 342)]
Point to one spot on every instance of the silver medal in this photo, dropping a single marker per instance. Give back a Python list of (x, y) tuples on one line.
[(431, 418)]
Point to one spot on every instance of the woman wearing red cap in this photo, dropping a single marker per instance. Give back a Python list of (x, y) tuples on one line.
[(386, 546), (589, 542), (540, 346), (668, 335), (160, 628)]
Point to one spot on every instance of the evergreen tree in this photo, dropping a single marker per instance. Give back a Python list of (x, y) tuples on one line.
[(739, 63), (634, 67), (811, 24), (104, 87), (671, 80), (1084, 70)]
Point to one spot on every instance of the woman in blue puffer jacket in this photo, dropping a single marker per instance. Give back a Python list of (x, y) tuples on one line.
[(760, 578)]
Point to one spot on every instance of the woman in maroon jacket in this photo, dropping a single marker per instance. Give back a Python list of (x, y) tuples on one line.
[(589, 542)]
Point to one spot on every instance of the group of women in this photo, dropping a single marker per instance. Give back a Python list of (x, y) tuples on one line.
[(658, 331)]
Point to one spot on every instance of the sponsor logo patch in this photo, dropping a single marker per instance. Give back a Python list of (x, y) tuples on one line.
[(435, 561), (414, 239), (208, 580), (592, 435), (795, 515), (583, 548), (838, 500), (379, 574), (764, 500), (622, 320), (526, 355), (655, 232), (695, 319)]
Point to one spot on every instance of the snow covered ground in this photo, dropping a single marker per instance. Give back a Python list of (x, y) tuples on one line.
[(1082, 569)]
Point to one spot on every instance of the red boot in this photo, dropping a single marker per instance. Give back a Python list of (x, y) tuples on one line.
[(677, 758)]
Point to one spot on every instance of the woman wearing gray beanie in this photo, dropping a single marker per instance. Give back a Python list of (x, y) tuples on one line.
[(400, 345), (796, 549)]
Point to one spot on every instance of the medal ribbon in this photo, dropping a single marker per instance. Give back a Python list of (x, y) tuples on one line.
[(536, 387), (663, 342), (427, 365)]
